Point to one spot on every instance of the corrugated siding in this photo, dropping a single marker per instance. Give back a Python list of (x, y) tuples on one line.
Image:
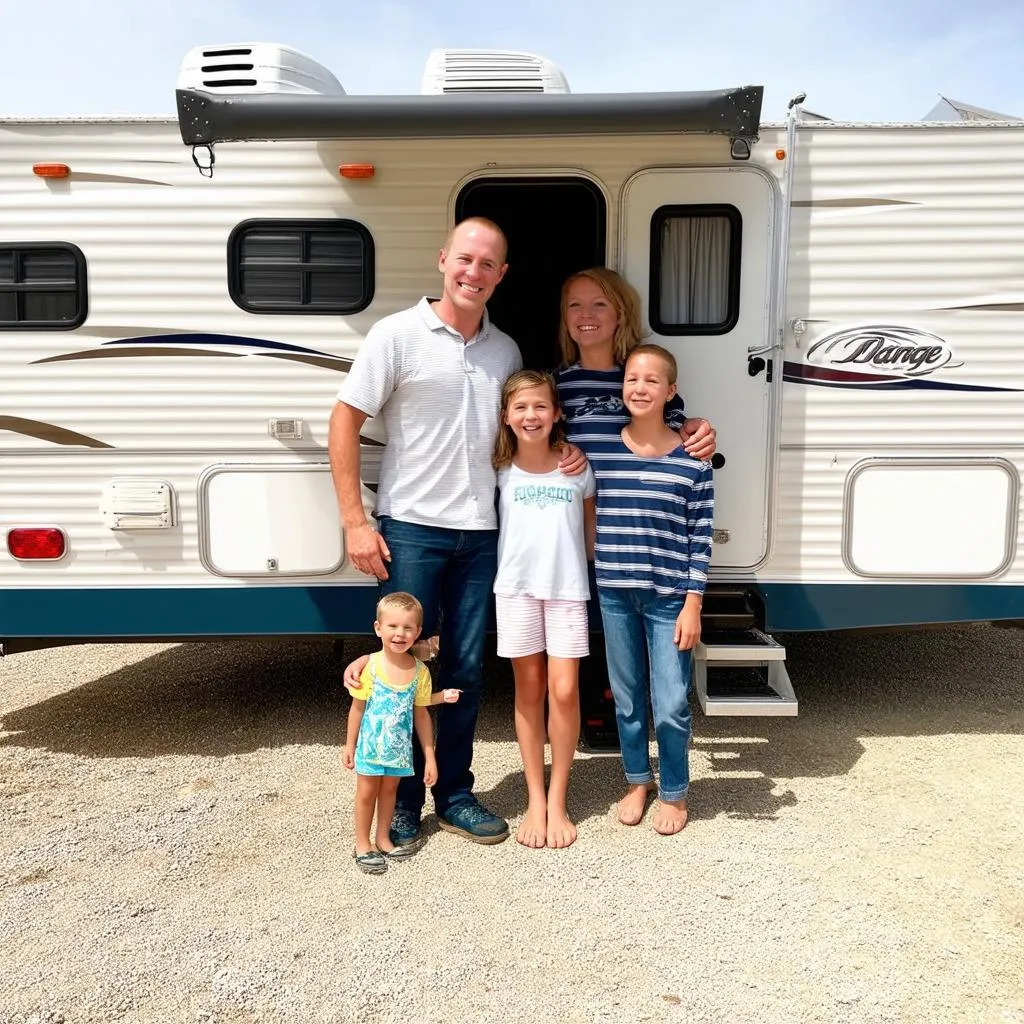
[(948, 231)]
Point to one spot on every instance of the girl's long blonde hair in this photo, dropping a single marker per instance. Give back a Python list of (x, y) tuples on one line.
[(626, 303), (505, 446)]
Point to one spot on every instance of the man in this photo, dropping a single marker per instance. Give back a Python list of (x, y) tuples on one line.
[(434, 373)]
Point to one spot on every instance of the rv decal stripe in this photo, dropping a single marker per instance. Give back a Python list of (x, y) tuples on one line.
[(327, 362), (216, 339), (853, 202), (106, 353), (801, 373), (165, 345), (49, 432)]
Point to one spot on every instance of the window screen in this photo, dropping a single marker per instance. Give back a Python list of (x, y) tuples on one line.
[(307, 266), (695, 269), (42, 286)]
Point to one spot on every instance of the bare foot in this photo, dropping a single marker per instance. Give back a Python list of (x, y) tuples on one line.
[(561, 831), (634, 803), (670, 817), (533, 828)]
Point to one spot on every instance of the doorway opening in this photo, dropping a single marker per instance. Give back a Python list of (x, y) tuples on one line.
[(555, 227)]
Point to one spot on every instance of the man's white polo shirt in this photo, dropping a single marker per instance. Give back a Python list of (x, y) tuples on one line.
[(439, 397)]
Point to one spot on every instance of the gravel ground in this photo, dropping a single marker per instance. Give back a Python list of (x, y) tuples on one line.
[(175, 838)]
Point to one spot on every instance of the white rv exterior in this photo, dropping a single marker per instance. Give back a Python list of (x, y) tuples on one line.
[(868, 392)]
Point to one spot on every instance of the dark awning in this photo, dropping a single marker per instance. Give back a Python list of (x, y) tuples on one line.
[(206, 118)]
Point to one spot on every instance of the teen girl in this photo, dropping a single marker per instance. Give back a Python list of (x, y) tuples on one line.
[(541, 592)]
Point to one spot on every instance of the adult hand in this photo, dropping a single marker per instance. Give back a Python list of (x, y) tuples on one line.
[(699, 438), (367, 551), (353, 671), (573, 461)]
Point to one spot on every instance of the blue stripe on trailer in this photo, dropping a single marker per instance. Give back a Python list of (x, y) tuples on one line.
[(795, 607), (197, 613)]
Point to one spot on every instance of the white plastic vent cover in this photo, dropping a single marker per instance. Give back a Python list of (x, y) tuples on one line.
[(457, 71), (256, 68), (134, 504)]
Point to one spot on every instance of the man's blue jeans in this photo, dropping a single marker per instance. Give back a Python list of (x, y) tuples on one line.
[(638, 632), (452, 573)]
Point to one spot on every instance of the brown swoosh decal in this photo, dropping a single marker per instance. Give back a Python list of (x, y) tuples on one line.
[(116, 179), (328, 362), (996, 307), (127, 350), (854, 202), (49, 432)]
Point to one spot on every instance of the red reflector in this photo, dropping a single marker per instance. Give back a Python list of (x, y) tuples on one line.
[(37, 542), (51, 170)]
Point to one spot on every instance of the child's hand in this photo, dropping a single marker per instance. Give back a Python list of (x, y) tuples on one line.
[(353, 671), (451, 695), (687, 631), (347, 758), (430, 771)]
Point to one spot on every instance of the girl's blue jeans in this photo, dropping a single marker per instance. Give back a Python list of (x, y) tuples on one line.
[(642, 657)]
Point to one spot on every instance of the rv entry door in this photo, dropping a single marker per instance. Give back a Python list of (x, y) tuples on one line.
[(698, 244)]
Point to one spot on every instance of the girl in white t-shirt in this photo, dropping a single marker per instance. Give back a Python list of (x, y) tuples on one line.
[(546, 528)]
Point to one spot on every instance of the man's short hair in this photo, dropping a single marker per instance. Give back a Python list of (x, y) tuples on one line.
[(399, 601), (483, 222)]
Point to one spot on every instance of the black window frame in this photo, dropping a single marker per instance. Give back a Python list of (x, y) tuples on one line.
[(658, 218), (80, 286), (306, 227)]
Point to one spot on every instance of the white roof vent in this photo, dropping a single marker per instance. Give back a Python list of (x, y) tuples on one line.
[(255, 67), (458, 71)]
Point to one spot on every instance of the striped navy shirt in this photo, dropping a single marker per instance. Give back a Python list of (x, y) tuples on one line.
[(653, 519)]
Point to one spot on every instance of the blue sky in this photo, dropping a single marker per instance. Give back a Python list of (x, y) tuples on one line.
[(867, 60)]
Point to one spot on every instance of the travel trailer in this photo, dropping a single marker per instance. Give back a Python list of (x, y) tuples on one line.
[(180, 299)]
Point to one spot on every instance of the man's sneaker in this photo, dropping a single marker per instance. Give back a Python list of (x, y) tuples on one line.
[(475, 822), (405, 830)]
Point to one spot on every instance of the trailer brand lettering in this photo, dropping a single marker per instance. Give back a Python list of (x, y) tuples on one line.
[(905, 350)]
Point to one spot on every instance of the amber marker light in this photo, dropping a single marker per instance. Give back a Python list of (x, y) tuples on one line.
[(780, 154), (357, 170), (51, 170), (33, 543)]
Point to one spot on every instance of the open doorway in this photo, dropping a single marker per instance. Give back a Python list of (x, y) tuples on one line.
[(555, 227)]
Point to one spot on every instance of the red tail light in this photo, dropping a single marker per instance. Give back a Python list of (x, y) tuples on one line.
[(37, 542)]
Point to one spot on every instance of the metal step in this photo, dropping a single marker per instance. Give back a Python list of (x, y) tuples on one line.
[(742, 672)]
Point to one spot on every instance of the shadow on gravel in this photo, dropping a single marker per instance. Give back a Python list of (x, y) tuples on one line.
[(220, 699)]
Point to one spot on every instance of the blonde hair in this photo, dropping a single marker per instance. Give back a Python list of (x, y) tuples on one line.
[(505, 446), (663, 354), (480, 222), (626, 303), (399, 601)]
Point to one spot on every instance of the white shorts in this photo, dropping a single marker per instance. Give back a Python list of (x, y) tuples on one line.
[(530, 625)]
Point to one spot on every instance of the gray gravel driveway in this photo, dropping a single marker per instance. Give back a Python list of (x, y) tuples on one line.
[(175, 838)]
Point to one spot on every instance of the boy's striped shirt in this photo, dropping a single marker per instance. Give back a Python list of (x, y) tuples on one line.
[(654, 519)]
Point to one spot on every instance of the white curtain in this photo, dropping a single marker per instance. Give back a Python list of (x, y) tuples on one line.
[(695, 270)]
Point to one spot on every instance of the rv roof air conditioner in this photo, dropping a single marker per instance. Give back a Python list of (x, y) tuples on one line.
[(255, 68), (460, 71)]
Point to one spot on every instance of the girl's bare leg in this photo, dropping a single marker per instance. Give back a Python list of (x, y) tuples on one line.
[(564, 734), (367, 788), (385, 812), (531, 686)]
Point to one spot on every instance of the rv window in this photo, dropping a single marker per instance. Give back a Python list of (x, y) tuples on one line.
[(695, 269), (301, 266), (42, 286)]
